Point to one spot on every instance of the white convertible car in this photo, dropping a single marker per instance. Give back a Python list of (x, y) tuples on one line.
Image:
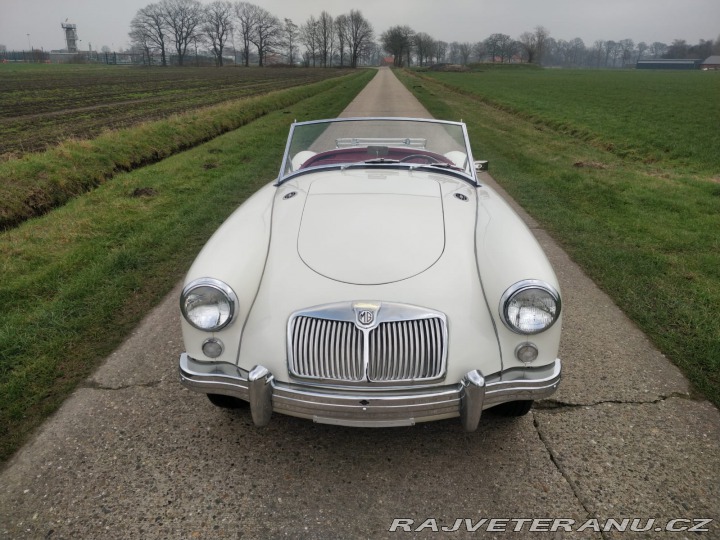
[(377, 282)]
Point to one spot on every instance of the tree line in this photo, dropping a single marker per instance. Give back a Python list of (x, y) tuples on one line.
[(173, 27), (408, 47)]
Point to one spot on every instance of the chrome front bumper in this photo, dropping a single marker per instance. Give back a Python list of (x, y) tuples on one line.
[(369, 408)]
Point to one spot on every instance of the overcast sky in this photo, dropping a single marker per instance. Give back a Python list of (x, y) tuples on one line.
[(106, 22)]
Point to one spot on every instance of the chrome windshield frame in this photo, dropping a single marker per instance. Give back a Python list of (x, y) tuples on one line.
[(469, 176)]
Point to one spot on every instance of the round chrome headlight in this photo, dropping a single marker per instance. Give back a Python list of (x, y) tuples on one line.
[(530, 307), (208, 304)]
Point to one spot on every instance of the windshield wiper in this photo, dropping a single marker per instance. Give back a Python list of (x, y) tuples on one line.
[(380, 160), (444, 166), (374, 161)]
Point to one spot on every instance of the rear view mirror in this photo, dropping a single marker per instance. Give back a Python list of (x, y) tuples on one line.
[(482, 166)]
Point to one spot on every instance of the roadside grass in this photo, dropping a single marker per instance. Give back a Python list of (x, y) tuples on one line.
[(78, 279), (37, 183), (647, 233)]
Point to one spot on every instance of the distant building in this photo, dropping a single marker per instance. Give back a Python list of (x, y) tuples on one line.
[(669, 64), (71, 38), (712, 62)]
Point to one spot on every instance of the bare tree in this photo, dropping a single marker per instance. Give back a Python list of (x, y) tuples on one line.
[(465, 50), (360, 35), (533, 43), (309, 38), (216, 27), (371, 54), (266, 35), (677, 49), (440, 51), (627, 46), (326, 37), (479, 51), (702, 50), (290, 35), (183, 18), (578, 51), (454, 52), (140, 40), (641, 48), (342, 31), (565, 53), (597, 52), (246, 14), (657, 49), (410, 37), (611, 48), (497, 46), (423, 43), (149, 25), (398, 41)]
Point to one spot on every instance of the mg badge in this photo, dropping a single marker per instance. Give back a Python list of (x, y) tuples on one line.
[(366, 313), (366, 317)]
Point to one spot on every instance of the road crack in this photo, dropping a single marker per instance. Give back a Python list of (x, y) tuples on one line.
[(556, 404)]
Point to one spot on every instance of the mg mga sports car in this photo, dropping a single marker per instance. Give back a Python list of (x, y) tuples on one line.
[(377, 282)]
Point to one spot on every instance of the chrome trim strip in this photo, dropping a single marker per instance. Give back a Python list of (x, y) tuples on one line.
[(364, 423), (357, 407)]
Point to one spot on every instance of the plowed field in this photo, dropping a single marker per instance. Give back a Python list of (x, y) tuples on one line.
[(41, 105)]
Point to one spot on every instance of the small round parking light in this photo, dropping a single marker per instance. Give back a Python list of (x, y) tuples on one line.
[(212, 348), (526, 352)]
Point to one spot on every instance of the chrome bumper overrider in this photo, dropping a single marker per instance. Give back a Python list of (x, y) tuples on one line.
[(369, 408)]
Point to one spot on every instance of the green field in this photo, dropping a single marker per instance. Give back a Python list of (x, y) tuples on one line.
[(623, 169), (668, 118), (78, 279)]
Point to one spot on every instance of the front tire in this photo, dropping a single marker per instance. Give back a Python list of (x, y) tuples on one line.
[(227, 402), (514, 408)]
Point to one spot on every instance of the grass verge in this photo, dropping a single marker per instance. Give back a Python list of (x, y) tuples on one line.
[(648, 236), (78, 279), (33, 185)]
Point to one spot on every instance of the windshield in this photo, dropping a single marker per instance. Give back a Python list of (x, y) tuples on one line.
[(367, 142)]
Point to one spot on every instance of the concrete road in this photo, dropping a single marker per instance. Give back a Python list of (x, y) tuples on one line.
[(133, 455)]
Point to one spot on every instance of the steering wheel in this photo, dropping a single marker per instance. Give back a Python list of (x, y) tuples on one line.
[(429, 159)]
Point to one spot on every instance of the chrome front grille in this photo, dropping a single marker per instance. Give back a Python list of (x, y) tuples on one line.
[(327, 349), (402, 344), (406, 350)]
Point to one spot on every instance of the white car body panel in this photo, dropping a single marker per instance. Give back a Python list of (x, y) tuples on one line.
[(396, 225)]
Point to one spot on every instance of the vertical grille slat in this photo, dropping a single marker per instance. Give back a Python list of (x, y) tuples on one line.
[(396, 350)]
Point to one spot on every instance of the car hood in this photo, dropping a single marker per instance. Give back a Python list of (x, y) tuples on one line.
[(369, 231), (320, 216)]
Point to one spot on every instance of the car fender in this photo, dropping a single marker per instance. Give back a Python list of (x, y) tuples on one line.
[(236, 255), (507, 252)]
